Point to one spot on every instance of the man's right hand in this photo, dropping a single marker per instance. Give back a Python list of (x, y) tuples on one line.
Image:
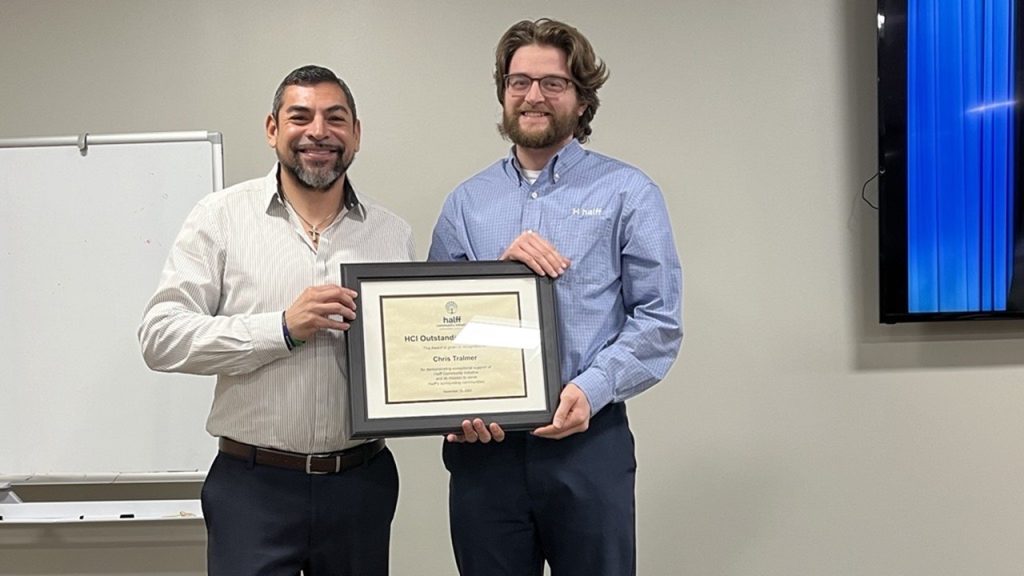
[(537, 253), (313, 310)]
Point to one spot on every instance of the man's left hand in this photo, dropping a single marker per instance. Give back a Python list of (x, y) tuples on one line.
[(571, 417), (477, 431)]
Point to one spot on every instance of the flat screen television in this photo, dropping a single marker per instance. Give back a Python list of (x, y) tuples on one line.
[(951, 211)]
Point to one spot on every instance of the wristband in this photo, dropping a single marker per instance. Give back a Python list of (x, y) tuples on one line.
[(291, 343)]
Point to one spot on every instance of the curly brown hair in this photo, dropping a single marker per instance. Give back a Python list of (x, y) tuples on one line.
[(588, 72)]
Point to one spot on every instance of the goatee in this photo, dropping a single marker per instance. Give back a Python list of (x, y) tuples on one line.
[(317, 177)]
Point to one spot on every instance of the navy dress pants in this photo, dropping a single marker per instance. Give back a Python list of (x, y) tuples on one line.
[(515, 504), (262, 520)]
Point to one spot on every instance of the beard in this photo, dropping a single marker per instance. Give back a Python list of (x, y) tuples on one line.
[(317, 177), (560, 127)]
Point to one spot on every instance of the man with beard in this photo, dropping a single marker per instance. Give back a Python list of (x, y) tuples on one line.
[(564, 493), (249, 294)]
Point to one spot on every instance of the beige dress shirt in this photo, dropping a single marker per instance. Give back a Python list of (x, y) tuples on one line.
[(240, 259)]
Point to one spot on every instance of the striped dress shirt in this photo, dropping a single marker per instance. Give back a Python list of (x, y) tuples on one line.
[(619, 303), (241, 258)]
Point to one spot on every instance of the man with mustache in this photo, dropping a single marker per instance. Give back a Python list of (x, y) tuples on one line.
[(563, 494), (249, 293)]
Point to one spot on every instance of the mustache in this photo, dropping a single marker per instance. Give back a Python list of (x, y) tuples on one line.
[(541, 108), (340, 148)]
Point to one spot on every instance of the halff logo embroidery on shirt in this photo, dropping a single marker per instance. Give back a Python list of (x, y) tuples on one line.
[(586, 211)]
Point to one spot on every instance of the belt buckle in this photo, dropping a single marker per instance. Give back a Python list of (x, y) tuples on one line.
[(309, 462)]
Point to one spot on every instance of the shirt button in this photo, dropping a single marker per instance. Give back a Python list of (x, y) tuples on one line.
[(533, 194), (556, 176)]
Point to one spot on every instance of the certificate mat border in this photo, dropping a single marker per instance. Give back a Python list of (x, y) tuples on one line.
[(360, 425)]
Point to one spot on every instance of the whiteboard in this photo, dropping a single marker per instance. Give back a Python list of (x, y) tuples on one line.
[(85, 226)]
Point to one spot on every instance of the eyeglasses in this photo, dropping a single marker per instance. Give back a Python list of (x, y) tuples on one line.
[(520, 84)]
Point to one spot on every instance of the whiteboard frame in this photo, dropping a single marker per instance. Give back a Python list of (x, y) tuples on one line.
[(11, 478), (83, 141)]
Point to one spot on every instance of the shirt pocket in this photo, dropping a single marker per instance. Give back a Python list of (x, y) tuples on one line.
[(588, 242)]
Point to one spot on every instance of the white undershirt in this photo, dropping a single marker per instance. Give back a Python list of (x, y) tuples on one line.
[(531, 175)]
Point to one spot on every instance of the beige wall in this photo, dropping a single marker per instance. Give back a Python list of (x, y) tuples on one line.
[(794, 435)]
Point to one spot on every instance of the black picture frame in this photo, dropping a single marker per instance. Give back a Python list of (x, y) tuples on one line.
[(379, 339)]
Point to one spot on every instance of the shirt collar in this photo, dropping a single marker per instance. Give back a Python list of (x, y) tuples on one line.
[(272, 184), (563, 160)]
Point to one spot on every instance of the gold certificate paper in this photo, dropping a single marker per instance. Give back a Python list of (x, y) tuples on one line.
[(426, 359)]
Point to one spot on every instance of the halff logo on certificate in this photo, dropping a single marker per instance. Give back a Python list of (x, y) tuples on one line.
[(436, 343), (430, 355)]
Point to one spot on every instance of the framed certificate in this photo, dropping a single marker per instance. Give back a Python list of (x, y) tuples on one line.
[(436, 343)]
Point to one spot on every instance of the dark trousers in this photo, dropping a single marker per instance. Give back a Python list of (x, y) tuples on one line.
[(262, 520), (516, 504)]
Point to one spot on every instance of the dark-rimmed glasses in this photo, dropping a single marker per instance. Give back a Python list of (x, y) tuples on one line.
[(520, 84)]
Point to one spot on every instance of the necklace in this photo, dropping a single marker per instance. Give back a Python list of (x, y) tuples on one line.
[(314, 230)]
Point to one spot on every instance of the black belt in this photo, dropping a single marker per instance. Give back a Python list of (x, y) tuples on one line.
[(331, 463)]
